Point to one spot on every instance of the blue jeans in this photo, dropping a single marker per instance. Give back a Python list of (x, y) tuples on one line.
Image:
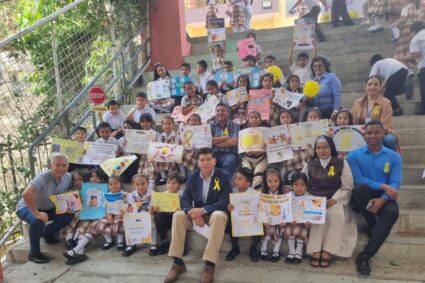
[(38, 228), (227, 162), (390, 141)]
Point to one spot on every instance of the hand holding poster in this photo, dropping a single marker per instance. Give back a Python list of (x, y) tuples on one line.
[(275, 209), (68, 202), (277, 144), (304, 33), (348, 138), (166, 202), (259, 101), (164, 152), (158, 89), (138, 228), (71, 148), (309, 209), (97, 153), (247, 47), (113, 203), (251, 139), (93, 201), (244, 215), (237, 95), (207, 110), (303, 135), (287, 99), (196, 137)]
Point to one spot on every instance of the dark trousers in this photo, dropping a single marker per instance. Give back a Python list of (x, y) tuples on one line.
[(422, 87), (339, 9), (314, 14), (39, 229), (395, 86), (379, 225), (163, 223), (255, 240)]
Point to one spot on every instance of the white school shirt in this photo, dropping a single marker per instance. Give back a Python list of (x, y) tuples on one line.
[(418, 45), (116, 121), (303, 73), (111, 140), (164, 134), (387, 67), (138, 112), (249, 190), (203, 79)]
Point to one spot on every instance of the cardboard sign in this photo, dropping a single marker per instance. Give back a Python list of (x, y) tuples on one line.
[(303, 135), (93, 201), (166, 202), (244, 215), (251, 139), (247, 47), (286, 98), (259, 100), (117, 166), (138, 228), (196, 137), (275, 209), (254, 74), (304, 33), (309, 209), (237, 95), (278, 147)]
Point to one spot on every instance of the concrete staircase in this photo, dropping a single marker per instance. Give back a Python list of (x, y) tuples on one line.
[(401, 258)]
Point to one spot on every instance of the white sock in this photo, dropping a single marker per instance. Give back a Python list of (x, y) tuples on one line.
[(299, 249), (291, 245), (69, 236), (76, 235), (154, 237), (120, 238), (163, 174), (378, 21), (83, 240), (108, 238), (182, 170), (151, 185), (264, 245), (276, 248)]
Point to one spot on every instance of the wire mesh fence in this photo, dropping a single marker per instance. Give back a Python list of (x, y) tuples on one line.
[(46, 71)]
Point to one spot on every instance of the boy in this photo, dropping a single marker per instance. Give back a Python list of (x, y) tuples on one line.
[(225, 86), (204, 76), (185, 70), (140, 108), (249, 61), (301, 67), (115, 118), (242, 183), (269, 61), (80, 136)]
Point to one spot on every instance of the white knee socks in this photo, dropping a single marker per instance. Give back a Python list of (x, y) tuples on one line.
[(291, 245), (299, 249), (83, 240), (108, 238)]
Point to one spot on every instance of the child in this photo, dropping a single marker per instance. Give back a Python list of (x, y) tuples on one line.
[(266, 82), (239, 110), (161, 73), (190, 161), (297, 233), (115, 118), (112, 224), (140, 108), (185, 70), (301, 66), (217, 54), (249, 61), (146, 167), (342, 118), (86, 228), (272, 185), (163, 220), (258, 48), (241, 184), (191, 100), (269, 61), (294, 85), (104, 132), (225, 86), (132, 169), (255, 161), (142, 194), (204, 77), (237, 16), (313, 114), (169, 137), (212, 88), (80, 136)]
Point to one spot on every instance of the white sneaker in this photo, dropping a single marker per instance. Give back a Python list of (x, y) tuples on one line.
[(372, 28)]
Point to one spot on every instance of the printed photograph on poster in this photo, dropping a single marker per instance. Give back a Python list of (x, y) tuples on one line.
[(259, 100), (222, 76), (97, 153), (254, 74), (286, 98), (277, 143), (348, 138), (164, 152), (113, 203), (195, 137), (166, 202), (71, 148), (275, 209), (304, 33), (138, 228), (309, 209), (93, 201), (237, 95), (251, 139), (244, 215), (303, 135), (68, 202), (158, 89), (216, 23), (216, 35)]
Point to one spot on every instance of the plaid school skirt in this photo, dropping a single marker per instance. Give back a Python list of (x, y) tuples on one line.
[(238, 15), (104, 227), (388, 7), (146, 167), (72, 227), (189, 160), (299, 231), (88, 226)]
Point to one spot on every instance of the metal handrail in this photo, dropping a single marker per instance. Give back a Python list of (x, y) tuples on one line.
[(10, 232)]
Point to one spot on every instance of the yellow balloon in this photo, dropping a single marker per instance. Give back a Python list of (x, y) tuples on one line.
[(311, 88), (277, 73)]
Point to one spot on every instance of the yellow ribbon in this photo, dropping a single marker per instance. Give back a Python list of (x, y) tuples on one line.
[(331, 171), (187, 137), (375, 110), (346, 141), (226, 131), (216, 184), (387, 167)]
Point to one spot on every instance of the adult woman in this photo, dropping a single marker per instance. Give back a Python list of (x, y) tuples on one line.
[(328, 99), (374, 106), (331, 177)]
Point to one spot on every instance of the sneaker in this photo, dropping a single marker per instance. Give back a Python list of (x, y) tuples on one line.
[(39, 258)]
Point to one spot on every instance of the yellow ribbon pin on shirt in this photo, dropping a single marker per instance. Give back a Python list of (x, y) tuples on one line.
[(387, 167), (226, 131), (331, 171), (216, 184)]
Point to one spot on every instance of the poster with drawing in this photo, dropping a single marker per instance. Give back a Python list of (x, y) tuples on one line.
[(138, 228), (247, 47), (348, 138), (97, 153), (251, 139), (113, 203), (117, 166), (259, 100), (177, 85), (93, 200), (222, 76), (244, 215), (158, 89), (303, 135), (71, 148), (254, 74), (207, 110), (68, 202), (309, 209), (237, 95), (277, 143), (286, 98), (164, 152), (304, 33), (275, 209), (195, 137), (137, 141), (166, 202)]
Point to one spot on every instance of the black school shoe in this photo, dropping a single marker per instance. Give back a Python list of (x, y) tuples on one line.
[(363, 264), (50, 240), (234, 252), (153, 251), (129, 250), (163, 247), (120, 246), (254, 255), (39, 258), (77, 258), (107, 245), (275, 257)]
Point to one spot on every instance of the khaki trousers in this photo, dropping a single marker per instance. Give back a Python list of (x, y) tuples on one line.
[(182, 222)]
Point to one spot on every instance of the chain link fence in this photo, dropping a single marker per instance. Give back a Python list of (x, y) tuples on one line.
[(46, 71)]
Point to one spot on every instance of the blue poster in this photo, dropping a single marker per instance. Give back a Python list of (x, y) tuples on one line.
[(93, 201), (177, 85), (113, 203), (254, 74), (222, 76)]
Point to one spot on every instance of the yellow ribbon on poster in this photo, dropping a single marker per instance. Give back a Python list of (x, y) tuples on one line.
[(387, 167), (331, 172), (216, 184)]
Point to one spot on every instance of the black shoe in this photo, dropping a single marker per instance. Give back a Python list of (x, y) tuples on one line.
[(363, 264), (107, 246), (76, 259), (289, 258), (120, 246), (253, 254), (129, 250), (38, 258), (297, 259), (153, 252), (234, 252), (275, 257), (70, 244), (264, 256), (398, 112), (163, 248), (50, 240)]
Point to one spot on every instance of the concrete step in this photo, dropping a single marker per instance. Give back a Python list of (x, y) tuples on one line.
[(414, 154), (412, 174), (412, 136), (411, 196), (411, 221), (408, 122)]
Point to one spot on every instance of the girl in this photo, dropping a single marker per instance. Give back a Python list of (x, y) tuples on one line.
[(213, 90), (239, 110), (313, 114), (87, 228), (294, 85), (141, 193), (297, 233), (165, 105), (132, 169), (112, 224), (257, 46), (217, 55), (342, 118), (191, 100), (146, 167), (267, 83), (255, 161), (189, 155), (272, 185)]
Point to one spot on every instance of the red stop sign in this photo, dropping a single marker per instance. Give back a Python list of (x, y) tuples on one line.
[(97, 95)]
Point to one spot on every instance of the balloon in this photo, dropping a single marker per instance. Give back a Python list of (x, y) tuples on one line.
[(311, 88), (277, 73)]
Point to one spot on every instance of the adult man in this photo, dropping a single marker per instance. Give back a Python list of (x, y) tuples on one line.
[(203, 202), (377, 173), (225, 139), (36, 208)]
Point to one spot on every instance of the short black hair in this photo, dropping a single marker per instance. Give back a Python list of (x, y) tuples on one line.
[(230, 63), (203, 64), (174, 176), (271, 57), (302, 55), (251, 33), (417, 26), (375, 58), (146, 117), (205, 150), (112, 102), (81, 129), (212, 83), (250, 58), (187, 65), (299, 175), (103, 125), (247, 173), (223, 105), (374, 123), (142, 94)]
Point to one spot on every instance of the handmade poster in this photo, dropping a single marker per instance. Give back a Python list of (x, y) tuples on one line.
[(216, 23), (303, 135), (286, 98), (348, 138), (166, 202), (117, 166), (222, 76), (177, 85), (97, 153), (138, 140), (164, 152), (275, 209), (251, 139), (309, 209), (71, 148), (113, 203), (66, 202), (216, 35), (138, 228), (178, 115), (244, 215), (158, 89), (196, 137), (203, 231), (304, 33), (259, 100), (254, 74), (278, 147), (207, 110), (93, 201), (247, 47), (237, 95)]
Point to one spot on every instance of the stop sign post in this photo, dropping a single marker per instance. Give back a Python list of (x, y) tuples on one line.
[(97, 95)]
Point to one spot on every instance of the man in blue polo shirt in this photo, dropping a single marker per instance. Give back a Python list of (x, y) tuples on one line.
[(377, 173)]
